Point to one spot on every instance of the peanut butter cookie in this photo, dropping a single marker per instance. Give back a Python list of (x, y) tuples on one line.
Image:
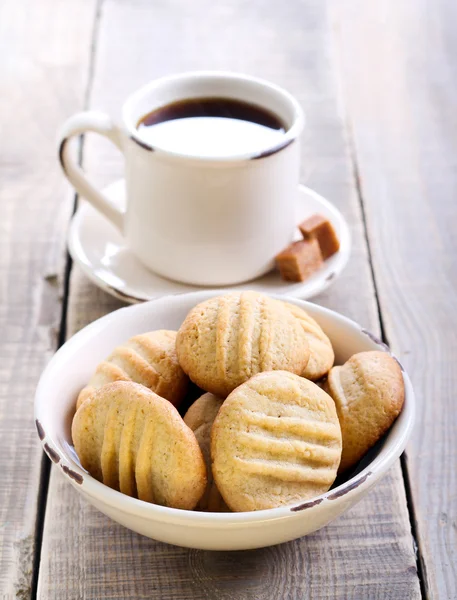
[(134, 441), (369, 392), (149, 359), (275, 441), (200, 418), (226, 340), (321, 355)]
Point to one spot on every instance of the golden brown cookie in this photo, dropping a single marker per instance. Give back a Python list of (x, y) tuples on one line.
[(368, 391), (225, 340), (321, 355), (275, 441), (134, 441), (200, 418), (149, 359)]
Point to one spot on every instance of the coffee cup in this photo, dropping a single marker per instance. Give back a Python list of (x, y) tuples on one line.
[(194, 213)]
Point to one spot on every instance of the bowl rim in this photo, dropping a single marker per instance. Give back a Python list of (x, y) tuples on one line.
[(394, 444)]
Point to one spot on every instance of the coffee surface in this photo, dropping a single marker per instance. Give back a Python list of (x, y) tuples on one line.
[(211, 127)]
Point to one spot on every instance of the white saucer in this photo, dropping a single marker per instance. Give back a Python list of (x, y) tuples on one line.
[(100, 251)]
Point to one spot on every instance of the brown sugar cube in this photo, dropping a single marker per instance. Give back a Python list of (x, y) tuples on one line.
[(320, 228), (299, 260)]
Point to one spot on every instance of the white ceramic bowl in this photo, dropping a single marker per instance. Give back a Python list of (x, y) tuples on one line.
[(71, 367)]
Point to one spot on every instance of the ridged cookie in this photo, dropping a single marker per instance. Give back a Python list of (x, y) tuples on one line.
[(275, 441), (321, 355), (149, 359), (200, 418), (368, 391), (134, 441), (226, 340)]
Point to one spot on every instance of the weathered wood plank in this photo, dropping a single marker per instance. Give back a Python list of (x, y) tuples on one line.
[(85, 554), (399, 66), (44, 49)]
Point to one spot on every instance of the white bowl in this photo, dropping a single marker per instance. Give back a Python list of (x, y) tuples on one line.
[(71, 367)]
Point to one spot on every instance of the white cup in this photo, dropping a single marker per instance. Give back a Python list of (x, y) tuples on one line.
[(199, 220)]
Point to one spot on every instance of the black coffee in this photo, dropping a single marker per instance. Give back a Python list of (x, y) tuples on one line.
[(211, 127)]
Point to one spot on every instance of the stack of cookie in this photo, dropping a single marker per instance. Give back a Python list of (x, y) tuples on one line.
[(276, 423)]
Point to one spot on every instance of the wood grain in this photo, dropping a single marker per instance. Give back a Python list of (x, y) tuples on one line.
[(44, 49), (404, 123), (94, 558)]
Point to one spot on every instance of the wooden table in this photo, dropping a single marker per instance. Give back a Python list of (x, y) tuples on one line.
[(378, 83)]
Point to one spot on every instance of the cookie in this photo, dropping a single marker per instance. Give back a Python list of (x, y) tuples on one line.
[(149, 359), (369, 392), (200, 418), (135, 442), (275, 441), (226, 340), (321, 355)]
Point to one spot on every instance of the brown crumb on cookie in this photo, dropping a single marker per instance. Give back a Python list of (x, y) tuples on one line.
[(299, 260), (319, 228)]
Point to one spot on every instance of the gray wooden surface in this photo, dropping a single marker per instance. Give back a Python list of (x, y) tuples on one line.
[(44, 59), (404, 135), (377, 82)]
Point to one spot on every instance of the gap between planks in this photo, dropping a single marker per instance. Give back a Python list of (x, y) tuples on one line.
[(420, 563), (45, 470), (420, 566), (398, 64)]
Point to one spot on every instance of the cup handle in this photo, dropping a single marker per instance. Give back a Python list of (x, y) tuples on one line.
[(102, 124)]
